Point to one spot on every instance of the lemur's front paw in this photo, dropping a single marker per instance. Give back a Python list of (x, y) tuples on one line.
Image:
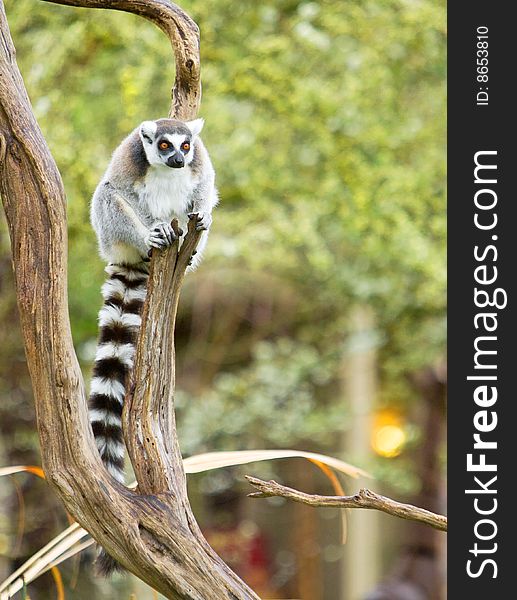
[(161, 236), (204, 220)]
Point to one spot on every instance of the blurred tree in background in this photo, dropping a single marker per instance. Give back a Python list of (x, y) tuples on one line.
[(326, 125)]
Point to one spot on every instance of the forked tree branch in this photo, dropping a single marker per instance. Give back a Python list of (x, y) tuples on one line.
[(363, 499), (151, 530)]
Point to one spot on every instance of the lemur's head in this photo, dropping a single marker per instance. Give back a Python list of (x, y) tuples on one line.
[(168, 142)]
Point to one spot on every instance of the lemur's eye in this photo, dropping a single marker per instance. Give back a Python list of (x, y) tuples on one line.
[(185, 146), (164, 145)]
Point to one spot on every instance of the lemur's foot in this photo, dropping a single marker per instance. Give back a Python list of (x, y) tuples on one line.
[(161, 236), (204, 220)]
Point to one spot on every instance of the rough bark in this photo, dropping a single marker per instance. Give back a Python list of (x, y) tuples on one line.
[(151, 530)]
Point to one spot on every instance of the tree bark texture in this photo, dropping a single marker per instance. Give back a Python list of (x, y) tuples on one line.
[(151, 530)]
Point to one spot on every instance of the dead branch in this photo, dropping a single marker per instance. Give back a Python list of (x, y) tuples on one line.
[(363, 499), (151, 530)]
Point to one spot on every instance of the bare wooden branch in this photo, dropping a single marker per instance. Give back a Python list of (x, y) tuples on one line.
[(363, 499), (151, 531), (149, 424)]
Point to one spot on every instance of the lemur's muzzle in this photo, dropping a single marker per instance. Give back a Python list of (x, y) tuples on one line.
[(176, 161)]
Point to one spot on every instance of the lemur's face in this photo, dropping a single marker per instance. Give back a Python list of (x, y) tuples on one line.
[(168, 142)]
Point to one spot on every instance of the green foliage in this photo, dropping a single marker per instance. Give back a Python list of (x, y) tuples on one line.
[(268, 403), (325, 122)]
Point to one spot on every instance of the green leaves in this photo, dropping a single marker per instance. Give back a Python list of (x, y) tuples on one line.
[(325, 122), (270, 402)]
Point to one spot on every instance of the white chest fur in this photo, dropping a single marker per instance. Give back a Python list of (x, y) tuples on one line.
[(167, 192)]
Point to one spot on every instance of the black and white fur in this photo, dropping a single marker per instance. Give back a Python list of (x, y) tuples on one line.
[(159, 172)]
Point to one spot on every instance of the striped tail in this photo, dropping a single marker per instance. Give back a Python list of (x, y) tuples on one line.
[(119, 321)]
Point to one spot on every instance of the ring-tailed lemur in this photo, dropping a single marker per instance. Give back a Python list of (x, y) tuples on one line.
[(160, 171)]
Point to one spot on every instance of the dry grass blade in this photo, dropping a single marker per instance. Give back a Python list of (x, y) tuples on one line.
[(33, 567), (61, 548), (71, 553), (218, 460), (22, 469)]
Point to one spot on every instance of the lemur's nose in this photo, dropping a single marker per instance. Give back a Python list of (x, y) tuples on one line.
[(176, 161)]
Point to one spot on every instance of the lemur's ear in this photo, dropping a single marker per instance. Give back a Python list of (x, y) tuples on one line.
[(195, 126), (147, 131)]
